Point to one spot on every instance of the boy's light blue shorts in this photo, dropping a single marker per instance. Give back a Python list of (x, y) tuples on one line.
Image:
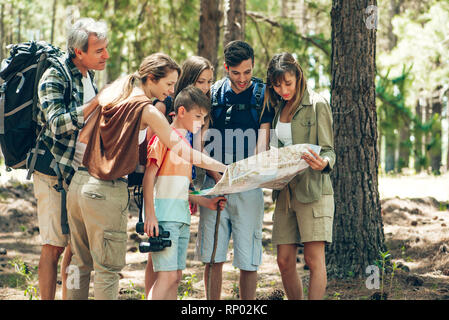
[(242, 218), (173, 258)]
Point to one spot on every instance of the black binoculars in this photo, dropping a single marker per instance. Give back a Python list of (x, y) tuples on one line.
[(154, 243)]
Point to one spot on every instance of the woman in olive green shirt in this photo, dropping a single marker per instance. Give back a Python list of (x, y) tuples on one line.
[(305, 207)]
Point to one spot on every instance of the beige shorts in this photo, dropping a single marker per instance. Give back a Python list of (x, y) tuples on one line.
[(49, 210), (303, 222)]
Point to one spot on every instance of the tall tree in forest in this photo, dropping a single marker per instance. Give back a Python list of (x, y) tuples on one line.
[(19, 26), (358, 228), (2, 30), (435, 143), (234, 20), (53, 20), (419, 154), (210, 17)]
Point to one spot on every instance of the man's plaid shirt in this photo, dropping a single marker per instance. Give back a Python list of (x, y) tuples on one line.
[(63, 121)]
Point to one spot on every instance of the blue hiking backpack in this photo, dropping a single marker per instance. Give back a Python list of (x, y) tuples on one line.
[(219, 105)]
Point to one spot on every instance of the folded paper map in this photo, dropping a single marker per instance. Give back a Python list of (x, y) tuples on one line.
[(271, 169)]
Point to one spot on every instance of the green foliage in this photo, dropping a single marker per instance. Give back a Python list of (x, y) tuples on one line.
[(24, 278), (185, 289), (413, 69), (336, 296), (133, 293), (421, 45), (381, 264), (138, 28), (393, 113), (312, 47), (387, 266)]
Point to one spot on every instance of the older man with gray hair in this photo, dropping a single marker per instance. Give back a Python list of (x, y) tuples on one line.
[(63, 114)]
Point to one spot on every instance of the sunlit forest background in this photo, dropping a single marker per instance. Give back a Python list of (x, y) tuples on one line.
[(412, 54)]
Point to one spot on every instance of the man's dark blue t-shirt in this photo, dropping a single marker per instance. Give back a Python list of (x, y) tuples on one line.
[(233, 132)]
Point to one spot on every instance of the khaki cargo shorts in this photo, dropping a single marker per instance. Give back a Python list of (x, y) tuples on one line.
[(49, 210), (303, 222)]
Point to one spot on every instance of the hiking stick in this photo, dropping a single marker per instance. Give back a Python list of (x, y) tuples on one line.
[(212, 258)]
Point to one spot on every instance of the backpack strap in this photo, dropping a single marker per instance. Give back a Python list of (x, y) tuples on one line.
[(217, 101), (60, 188), (54, 165), (66, 72), (257, 99), (2, 107), (67, 94), (35, 153), (39, 68)]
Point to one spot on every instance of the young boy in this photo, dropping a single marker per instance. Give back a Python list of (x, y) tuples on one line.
[(166, 194)]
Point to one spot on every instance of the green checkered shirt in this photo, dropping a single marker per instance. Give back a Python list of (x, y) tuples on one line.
[(63, 121)]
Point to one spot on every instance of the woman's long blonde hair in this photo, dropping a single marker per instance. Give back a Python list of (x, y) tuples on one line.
[(279, 65), (155, 66)]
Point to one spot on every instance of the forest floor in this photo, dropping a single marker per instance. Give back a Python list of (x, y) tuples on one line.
[(416, 226)]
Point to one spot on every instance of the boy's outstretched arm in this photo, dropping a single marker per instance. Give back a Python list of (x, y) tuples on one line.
[(152, 118), (149, 179), (210, 203)]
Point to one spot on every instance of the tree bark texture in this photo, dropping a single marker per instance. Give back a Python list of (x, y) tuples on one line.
[(358, 228), (209, 34), (235, 21)]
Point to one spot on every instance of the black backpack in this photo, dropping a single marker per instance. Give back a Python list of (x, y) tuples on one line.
[(19, 80), (19, 133)]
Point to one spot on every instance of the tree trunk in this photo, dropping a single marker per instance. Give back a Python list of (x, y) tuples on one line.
[(390, 150), (436, 146), (447, 135), (427, 134), (235, 21), (2, 31), (404, 147), (11, 30), (137, 43), (113, 69), (285, 8), (392, 11), (296, 11), (418, 153), (209, 35), (358, 228), (19, 26), (53, 19)]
